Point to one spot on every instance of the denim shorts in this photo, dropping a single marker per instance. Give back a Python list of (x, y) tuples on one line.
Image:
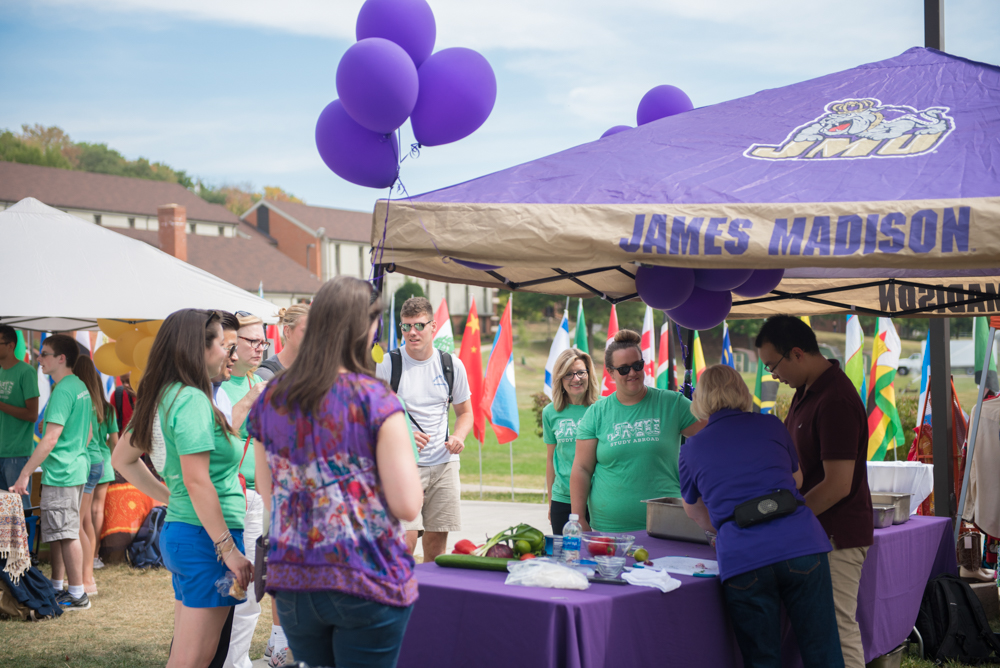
[(189, 555), (96, 471)]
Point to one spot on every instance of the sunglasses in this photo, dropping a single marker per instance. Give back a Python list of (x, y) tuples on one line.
[(231, 350), (634, 366), (419, 326)]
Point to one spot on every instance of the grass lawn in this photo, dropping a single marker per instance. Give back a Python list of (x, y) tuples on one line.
[(129, 625)]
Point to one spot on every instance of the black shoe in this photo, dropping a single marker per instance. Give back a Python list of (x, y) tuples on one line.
[(69, 603)]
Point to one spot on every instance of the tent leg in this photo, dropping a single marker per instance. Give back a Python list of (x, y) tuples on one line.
[(511, 470), (941, 429), (975, 428)]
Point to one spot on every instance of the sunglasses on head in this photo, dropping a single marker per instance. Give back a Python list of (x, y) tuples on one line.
[(634, 366), (419, 326)]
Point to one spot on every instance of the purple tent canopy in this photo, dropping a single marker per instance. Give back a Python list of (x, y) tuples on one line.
[(875, 187)]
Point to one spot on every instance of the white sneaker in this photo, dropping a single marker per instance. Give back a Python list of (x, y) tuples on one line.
[(98, 564), (279, 657), (269, 649)]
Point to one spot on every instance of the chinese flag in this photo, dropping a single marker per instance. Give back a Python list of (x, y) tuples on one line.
[(471, 357)]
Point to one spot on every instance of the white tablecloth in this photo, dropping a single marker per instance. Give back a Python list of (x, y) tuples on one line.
[(911, 478)]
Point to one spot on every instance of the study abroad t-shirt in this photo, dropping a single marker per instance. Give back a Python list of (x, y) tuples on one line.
[(17, 384), (68, 464), (559, 429), (189, 427), (637, 452), (236, 388)]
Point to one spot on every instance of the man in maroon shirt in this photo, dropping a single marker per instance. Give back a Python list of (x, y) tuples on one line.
[(828, 424)]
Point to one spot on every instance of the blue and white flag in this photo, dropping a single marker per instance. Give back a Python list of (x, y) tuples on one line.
[(925, 376), (393, 336), (727, 347), (559, 343)]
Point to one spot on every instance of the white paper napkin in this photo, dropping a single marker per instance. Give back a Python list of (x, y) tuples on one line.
[(647, 577)]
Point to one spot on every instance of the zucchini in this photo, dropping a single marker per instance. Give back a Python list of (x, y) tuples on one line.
[(473, 562)]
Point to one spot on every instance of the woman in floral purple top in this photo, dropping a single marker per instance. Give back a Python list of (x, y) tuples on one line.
[(336, 469)]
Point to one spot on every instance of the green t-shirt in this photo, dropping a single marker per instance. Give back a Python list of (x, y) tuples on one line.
[(98, 449), (637, 451), (560, 429), (17, 384), (236, 388), (188, 426), (68, 464)]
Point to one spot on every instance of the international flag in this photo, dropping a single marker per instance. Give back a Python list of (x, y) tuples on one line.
[(444, 339), (471, 356), (648, 347), (44, 392), (884, 428), (765, 390), (393, 336), (855, 355), (698, 356), (608, 383), (21, 349), (924, 408), (982, 334), (275, 336), (499, 395), (805, 319), (665, 378), (560, 342), (727, 347), (580, 340)]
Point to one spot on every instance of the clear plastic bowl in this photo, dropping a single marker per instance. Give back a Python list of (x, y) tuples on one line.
[(610, 567), (598, 543)]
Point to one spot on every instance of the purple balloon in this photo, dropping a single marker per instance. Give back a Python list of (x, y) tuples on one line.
[(354, 153), (721, 280), (377, 84), (615, 130), (476, 265), (664, 288), (408, 23), (661, 102), (761, 282), (457, 93), (704, 309)]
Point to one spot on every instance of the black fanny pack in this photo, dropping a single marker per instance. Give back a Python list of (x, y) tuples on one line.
[(765, 508)]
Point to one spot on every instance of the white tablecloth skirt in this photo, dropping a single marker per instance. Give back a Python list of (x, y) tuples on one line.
[(911, 478)]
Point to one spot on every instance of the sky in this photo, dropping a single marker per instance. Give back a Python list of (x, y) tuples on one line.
[(229, 90)]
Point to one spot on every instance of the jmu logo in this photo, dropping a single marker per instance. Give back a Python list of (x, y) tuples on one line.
[(862, 129), (565, 429)]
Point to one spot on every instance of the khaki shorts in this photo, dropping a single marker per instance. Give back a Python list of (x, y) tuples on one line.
[(442, 509), (60, 512)]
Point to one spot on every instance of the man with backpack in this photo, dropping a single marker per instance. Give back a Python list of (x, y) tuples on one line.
[(430, 381)]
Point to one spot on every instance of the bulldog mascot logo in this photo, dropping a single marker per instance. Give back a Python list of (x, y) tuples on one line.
[(862, 128)]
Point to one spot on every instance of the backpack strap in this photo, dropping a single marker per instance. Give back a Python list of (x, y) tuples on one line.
[(448, 368), (395, 369)]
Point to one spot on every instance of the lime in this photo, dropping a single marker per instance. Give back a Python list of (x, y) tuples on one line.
[(522, 547), (641, 554)]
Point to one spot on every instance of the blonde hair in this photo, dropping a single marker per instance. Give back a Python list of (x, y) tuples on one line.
[(720, 387), (624, 339), (289, 317), (560, 398), (248, 320)]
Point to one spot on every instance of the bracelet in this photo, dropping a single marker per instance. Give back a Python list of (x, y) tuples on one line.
[(227, 542), (224, 538)]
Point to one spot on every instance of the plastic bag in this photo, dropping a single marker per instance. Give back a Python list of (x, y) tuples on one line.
[(545, 573)]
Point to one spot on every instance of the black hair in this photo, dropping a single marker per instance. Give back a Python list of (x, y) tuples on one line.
[(8, 334), (785, 332), (230, 323), (61, 344)]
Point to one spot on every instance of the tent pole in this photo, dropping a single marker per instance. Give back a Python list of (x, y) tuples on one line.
[(934, 24), (512, 470), (975, 428), (941, 429)]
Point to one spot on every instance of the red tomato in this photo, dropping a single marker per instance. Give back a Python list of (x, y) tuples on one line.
[(601, 546), (526, 556)]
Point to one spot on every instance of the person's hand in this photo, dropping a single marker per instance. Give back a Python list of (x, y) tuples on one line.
[(257, 389), (454, 445), (21, 486), (421, 439), (240, 566)]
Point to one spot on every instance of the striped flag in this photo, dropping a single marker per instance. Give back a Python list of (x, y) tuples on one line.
[(499, 394), (608, 385), (884, 428), (580, 340), (982, 335), (665, 378), (765, 390), (925, 379), (471, 356), (444, 338), (698, 357), (855, 355), (648, 347), (727, 347), (560, 342)]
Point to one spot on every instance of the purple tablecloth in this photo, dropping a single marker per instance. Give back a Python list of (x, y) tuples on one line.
[(470, 618)]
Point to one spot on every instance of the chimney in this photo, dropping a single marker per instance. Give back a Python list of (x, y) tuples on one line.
[(173, 230)]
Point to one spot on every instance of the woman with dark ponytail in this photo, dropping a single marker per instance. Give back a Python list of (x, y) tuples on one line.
[(628, 444)]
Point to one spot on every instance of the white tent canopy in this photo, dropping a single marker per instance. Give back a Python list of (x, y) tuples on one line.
[(64, 273)]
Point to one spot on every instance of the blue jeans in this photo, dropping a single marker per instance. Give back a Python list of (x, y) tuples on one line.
[(323, 625), (10, 469), (754, 600)]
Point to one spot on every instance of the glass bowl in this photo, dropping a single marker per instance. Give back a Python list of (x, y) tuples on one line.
[(600, 544), (609, 567)]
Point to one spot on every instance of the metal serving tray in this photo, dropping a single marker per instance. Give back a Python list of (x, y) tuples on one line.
[(900, 501), (665, 518)]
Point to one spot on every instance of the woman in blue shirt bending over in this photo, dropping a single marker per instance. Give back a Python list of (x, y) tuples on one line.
[(770, 551)]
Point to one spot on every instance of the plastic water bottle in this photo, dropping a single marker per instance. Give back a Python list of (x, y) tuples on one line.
[(571, 540)]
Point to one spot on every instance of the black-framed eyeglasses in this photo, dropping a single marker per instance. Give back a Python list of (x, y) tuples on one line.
[(419, 326), (231, 350), (576, 374), (772, 369), (263, 344), (634, 366)]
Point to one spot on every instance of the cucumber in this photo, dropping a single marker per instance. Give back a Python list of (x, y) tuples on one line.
[(473, 562)]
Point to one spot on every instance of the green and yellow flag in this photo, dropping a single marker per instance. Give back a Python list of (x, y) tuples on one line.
[(884, 428)]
